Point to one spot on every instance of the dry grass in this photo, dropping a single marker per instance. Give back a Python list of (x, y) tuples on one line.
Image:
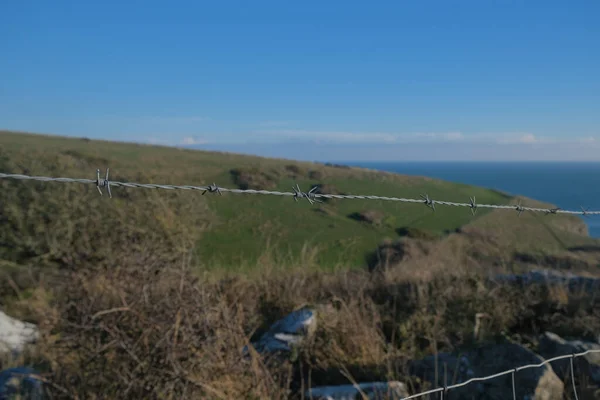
[(135, 332)]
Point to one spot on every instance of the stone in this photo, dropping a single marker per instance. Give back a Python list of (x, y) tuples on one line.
[(21, 382), (372, 390), (572, 281), (15, 334), (287, 333), (451, 369), (533, 383), (551, 345)]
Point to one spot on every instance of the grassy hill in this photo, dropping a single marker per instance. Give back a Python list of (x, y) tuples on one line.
[(116, 289), (69, 223)]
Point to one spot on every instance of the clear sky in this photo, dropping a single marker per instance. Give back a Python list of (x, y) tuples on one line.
[(317, 80)]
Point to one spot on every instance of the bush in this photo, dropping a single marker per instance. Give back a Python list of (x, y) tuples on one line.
[(417, 233), (254, 178), (69, 225), (373, 217)]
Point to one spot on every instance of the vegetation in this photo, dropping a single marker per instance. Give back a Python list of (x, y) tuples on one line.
[(153, 293), (66, 224), (143, 333)]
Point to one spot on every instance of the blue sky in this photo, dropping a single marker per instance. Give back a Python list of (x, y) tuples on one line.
[(316, 80)]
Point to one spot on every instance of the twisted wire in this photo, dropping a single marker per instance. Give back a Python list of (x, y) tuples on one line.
[(297, 193)]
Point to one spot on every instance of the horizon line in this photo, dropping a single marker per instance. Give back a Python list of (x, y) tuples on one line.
[(331, 161)]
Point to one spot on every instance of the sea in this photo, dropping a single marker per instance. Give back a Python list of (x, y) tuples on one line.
[(568, 185)]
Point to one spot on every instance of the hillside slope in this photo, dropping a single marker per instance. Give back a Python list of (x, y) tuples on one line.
[(128, 308), (68, 223)]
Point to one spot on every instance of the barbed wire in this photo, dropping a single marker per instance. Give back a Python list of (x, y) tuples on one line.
[(312, 195), (444, 390)]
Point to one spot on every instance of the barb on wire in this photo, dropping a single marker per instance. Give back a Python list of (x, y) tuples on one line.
[(310, 195), (428, 202), (520, 208), (213, 189), (473, 205), (103, 183), (584, 211), (297, 193)]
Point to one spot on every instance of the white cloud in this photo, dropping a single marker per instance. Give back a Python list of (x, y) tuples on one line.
[(521, 138), (328, 136), (186, 141), (345, 137), (454, 136), (171, 119), (528, 138), (440, 136), (190, 140), (359, 137), (589, 139), (323, 137)]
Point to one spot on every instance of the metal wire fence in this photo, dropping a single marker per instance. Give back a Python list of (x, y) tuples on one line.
[(443, 391), (313, 196)]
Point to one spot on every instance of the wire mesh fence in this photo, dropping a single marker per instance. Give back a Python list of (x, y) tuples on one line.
[(443, 391)]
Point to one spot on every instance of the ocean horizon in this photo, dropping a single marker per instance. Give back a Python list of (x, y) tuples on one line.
[(568, 185)]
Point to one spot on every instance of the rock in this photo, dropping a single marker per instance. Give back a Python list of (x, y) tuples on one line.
[(15, 334), (533, 383), (574, 282), (542, 382), (557, 261), (373, 390), (459, 367), (552, 345), (22, 382), (288, 332)]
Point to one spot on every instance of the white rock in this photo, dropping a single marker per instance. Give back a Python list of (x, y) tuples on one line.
[(288, 332), (15, 334)]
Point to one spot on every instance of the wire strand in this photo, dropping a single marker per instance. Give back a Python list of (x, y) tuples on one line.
[(311, 196)]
